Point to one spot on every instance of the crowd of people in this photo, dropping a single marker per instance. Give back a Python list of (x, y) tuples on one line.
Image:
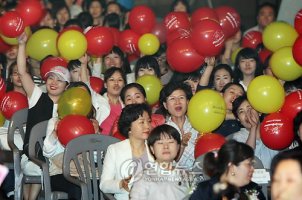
[(160, 137)]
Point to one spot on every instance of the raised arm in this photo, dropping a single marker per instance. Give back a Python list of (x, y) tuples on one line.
[(27, 82), (205, 77), (84, 74)]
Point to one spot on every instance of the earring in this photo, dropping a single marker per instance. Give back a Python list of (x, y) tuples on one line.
[(233, 173)]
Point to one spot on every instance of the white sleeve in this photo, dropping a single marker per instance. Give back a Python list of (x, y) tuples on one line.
[(109, 183), (139, 190), (51, 146), (37, 92)]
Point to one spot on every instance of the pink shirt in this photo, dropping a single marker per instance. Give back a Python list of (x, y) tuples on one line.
[(115, 111)]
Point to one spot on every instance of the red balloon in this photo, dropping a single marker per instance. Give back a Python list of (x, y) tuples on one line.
[(229, 20), (132, 57), (96, 84), (207, 143), (276, 131), (203, 13), (292, 104), (160, 31), (116, 35), (298, 22), (12, 102), (73, 126), (208, 38), (264, 54), (51, 62), (2, 88), (297, 50), (182, 57), (99, 41), (178, 34), (252, 39), (12, 24), (128, 41), (175, 20), (31, 11), (141, 19), (4, 46)]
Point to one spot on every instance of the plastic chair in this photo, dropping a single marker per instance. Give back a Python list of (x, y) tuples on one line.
[(87, 152), (37, 135), (17, 122)]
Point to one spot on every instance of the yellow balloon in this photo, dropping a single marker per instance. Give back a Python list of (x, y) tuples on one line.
[(234, 54), (266, 94), (279, 34), (206, 110), (75, 101), (284, 65), (152, 86), (2, 119), (42, 43), (72, 45), (148, 44), (14, 41)]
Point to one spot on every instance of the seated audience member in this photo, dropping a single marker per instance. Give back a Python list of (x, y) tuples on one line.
[(134, 93), (174, 99), (126, 159), (230, 125), (287, 176), (233, 164), (162, 180), (250, 133), (266, 14)]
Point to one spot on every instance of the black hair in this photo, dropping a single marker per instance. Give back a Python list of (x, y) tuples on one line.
[(163, 130), (236, 104), (73, 64), (291, 86), (131, 113), (86, 19), (112, 20), (73, 23), (230, 152), (125, 66), (146, 62), (3, 62), (297, 122), (168, 89), (56, 7), (109, 72), (184, 2), (9, 83), (247, 53), (181, 77), (129, 86), (231, 84), (217, 68), (268, 4), (295, 155)]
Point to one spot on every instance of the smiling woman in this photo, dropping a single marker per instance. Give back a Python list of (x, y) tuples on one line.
[(123, 157), (232, 165)]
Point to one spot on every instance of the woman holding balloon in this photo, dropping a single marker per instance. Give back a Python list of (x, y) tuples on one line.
[(54, 142), (250, 133), (42, 106), (174, 99)]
